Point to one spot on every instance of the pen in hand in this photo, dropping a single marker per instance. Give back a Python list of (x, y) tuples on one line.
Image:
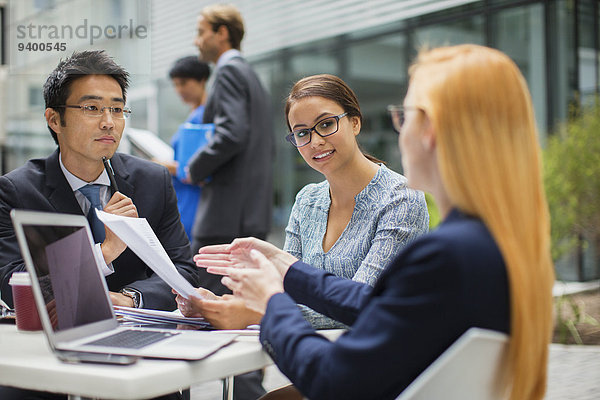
[(111, 175)]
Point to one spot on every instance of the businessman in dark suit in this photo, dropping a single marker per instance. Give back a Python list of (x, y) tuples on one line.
[(236, 201), (85, 100)]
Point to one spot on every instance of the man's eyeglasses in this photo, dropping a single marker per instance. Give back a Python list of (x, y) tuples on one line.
[(92, 110), (325, 127), (397, 114)]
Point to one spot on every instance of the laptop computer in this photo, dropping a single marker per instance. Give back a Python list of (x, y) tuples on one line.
[(73, 300)]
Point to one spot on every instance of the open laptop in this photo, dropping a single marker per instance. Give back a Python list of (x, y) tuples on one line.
[(73, 301)]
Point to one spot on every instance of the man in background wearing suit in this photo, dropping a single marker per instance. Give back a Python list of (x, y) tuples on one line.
[(85, 112), (236, 202)]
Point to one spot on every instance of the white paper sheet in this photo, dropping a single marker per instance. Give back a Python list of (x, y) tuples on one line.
[(141, 239)]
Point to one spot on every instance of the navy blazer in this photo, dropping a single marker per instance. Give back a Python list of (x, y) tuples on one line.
[(236, 202), (41, 185), (442, 284)]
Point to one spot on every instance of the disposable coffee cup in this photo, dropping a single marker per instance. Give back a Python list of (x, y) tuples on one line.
[(26, 312)]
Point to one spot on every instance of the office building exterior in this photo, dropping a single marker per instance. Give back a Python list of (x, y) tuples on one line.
[(370, 44)]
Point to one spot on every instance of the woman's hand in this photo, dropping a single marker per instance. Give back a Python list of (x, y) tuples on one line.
[(254, 279), (226, 312), (238, 252)]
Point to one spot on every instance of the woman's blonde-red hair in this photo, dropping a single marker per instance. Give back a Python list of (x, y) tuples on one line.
[(489, 158)]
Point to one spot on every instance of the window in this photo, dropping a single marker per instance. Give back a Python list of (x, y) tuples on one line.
[(519, 32), (35, 96), (467, 30), (376, 85)]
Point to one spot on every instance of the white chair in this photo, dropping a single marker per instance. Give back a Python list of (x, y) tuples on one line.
[(472, 368)]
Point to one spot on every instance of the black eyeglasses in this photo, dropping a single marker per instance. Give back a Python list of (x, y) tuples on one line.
[(92, 110), (325, 127), (397, 114)]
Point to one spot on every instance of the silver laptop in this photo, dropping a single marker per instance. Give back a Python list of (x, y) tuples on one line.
[(73, 301)]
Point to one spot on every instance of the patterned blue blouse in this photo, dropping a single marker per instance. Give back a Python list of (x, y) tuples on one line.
[(387, 215)]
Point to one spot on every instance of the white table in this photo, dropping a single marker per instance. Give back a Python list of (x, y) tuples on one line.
[(27, 362)]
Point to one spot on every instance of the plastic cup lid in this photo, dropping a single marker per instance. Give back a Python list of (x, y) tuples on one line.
[(20, 278)]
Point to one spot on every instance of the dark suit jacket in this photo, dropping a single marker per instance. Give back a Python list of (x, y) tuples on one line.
[(41, 185), (442, 284), (237, 200)]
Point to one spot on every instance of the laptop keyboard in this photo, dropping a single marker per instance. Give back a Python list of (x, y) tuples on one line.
[(132, 339)]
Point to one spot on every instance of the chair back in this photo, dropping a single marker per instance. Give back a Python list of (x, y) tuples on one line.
[(471, 368)]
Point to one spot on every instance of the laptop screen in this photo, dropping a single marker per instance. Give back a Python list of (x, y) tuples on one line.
[(68, 276)]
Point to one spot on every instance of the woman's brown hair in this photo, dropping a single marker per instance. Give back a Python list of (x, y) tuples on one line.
[(329, 87)]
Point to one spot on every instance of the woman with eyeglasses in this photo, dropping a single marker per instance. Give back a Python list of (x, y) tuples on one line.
[(353, 223), (487, 265)]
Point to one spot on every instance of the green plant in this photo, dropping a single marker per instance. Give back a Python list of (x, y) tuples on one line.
[(572, 179), (434, 213), (569, 313)]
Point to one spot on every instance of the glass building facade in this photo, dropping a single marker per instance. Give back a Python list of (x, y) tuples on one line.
[(555, 43)]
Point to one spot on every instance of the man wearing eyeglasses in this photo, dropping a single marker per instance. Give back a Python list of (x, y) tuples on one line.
[(85, 112)]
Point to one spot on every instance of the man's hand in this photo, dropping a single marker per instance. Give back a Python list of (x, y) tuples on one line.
[(119, 299), (188, 179), (186, 306), (170, 165), (112, 246)]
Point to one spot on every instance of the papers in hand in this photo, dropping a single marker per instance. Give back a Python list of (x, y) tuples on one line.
[(141, 239)]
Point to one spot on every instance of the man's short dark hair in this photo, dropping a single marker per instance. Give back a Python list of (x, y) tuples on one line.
[(190, 67), (58, 85)]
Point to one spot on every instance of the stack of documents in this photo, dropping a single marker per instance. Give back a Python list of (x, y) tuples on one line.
[(141, 239), (5, 311), (158, 316)]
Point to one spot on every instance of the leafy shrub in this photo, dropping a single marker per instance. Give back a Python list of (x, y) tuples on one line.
[(572, 179)]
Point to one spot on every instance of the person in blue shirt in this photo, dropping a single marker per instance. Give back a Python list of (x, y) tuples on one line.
[(189, 76), (468, 136)]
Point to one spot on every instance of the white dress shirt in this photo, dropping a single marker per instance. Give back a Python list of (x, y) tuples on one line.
[(85, 204)]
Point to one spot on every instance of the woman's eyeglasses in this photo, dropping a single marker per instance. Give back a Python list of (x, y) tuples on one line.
[(325, 127), (397, 114)]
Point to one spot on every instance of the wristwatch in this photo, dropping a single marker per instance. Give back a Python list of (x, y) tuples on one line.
[(134, 294)]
